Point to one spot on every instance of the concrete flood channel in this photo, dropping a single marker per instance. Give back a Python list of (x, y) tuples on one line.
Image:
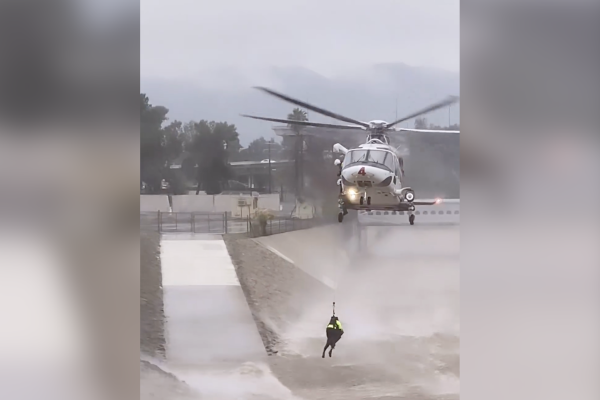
[(228, 298)]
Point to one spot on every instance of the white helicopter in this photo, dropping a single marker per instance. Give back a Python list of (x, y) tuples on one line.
[(370, 175)]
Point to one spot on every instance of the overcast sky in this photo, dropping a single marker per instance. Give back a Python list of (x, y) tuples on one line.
[(183, 38)]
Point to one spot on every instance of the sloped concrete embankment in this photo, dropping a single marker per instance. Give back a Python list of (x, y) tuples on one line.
[(274, 287), (152, 340)]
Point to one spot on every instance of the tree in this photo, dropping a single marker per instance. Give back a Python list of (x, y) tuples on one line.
[(228, 134), (297, 145), (152, 153), (258, 150), (454, 127), (187, 132), (421, 123), (290, 142), (159, 147), (173, 139), (297, 114), (210, 145)]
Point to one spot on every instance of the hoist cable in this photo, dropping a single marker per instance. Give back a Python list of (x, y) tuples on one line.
[(340, 271)]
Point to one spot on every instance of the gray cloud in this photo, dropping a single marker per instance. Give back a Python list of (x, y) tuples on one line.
[(189, 39)]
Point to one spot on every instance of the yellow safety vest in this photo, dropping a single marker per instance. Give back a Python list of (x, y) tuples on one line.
[(338, 325)]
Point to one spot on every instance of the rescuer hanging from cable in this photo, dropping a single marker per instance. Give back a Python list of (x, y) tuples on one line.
[(334, 333)]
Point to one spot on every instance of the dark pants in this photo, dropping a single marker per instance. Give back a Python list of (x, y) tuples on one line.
[(333, 336)]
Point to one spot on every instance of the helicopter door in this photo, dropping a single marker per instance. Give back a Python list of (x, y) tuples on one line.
[(397, 171)]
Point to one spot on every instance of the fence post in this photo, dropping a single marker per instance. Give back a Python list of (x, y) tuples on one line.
[(158, 220), (193, 222), (176, 226), (226, 223)]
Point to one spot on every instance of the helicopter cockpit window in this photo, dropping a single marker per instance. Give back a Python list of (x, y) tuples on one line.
[(355, 156), (381, 157), (371, 156)]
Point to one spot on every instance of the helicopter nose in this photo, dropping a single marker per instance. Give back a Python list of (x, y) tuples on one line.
[(356, 173), (364, 176)]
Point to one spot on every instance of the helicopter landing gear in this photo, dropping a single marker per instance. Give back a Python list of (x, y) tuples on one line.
[(341, 215), (343, 211), (411, 219)]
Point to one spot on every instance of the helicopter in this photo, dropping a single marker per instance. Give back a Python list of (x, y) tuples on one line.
[(371, 175)]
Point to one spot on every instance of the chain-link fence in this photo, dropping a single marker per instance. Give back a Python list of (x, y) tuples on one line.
[(198, 222), (281, 225), (221, 223)]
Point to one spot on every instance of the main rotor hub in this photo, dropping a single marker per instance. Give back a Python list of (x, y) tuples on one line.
[(377, 124), (379, 136)]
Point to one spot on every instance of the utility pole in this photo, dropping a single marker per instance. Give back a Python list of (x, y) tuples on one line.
[(299, 164), (270, 181), (296, 165)]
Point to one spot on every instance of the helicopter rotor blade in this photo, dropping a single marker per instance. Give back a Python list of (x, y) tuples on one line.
[(425, 130), (444, 103), (316, 109), (304, 123)]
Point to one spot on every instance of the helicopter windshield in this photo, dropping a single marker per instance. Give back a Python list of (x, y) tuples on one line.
[(380, 157)]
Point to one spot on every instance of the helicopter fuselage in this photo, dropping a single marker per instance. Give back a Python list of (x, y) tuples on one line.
[(371, 175)]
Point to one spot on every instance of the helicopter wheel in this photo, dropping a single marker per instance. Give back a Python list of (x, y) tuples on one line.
[(368, 201), (411, 219), (340, 217)]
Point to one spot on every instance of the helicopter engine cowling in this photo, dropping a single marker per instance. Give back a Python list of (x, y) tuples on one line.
[(338, 148)]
